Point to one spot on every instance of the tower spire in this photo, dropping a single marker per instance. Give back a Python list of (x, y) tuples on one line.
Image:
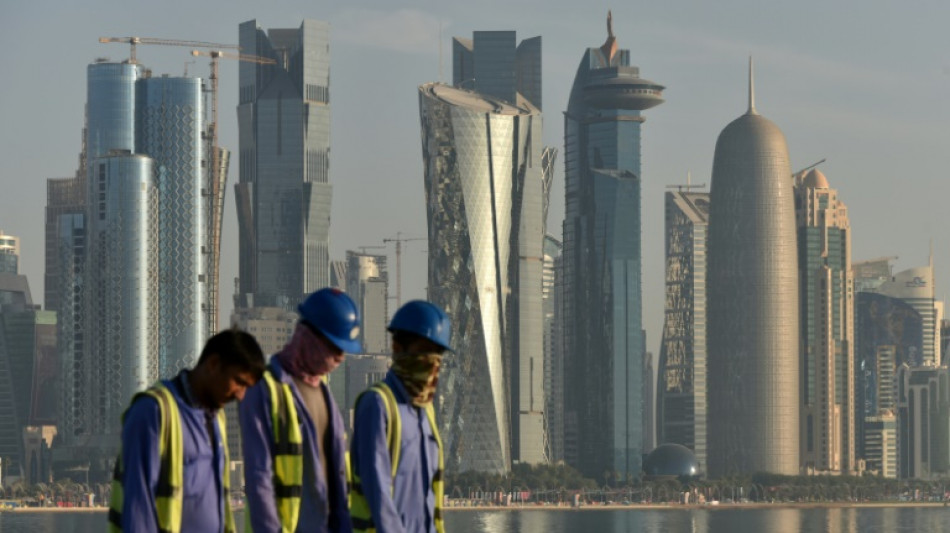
[(609, 48), (751, 110)]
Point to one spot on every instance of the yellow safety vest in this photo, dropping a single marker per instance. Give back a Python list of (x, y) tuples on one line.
[(288, 454), (169, 494), (359, 508)]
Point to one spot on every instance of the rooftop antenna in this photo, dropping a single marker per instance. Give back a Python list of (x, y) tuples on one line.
[(441, 79), (689, 184), (751, 110)]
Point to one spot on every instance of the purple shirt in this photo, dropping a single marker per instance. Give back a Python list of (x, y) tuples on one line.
[(410, 505), (323, 504), (203, 495)]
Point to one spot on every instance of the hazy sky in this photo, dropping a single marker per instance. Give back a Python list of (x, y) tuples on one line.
[(863, 84)]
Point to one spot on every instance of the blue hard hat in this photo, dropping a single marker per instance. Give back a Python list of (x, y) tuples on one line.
[(424, 319), (335, 315)]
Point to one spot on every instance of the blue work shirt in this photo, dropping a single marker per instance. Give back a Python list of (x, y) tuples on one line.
[(323, 504), (203, 496), (410, 505)]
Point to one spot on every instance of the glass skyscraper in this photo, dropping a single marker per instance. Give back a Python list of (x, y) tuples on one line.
[(681, 376), (9, 253), (168, 129), (139, 250), (122, 288), (602, 263), (483, 185), (283, 197), (888, 333)]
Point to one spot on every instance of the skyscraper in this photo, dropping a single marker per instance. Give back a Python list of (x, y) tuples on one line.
[(923, 422), (602, 262), (121, 311), (553, 351), (485, 183), (917, 287), (144, 241), (681, 374), (367, 282), (65, 199), (753, 341), (9, 253), (283, 197), (888, 334), (827, 326), (494, 64), (168, 129), (484, 190), (29, 370)]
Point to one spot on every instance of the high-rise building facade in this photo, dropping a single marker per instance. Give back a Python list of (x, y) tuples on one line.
[(483, 184), (283, 196), (553, 351), (168, 128), (681, 373), (827, 326), (9, 253), (888, 334), (121, 297), (917, 287), (29, 370), (753, 308), (603, 330), (494, 64), (923, 422), (881, 444), (64, 289), (144, 238), (367, 282), (65, 200)]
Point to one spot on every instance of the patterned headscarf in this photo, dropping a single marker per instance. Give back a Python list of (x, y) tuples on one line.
[(307, 356), (419, 373)]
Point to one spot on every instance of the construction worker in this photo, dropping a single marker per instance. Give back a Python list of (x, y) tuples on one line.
[(396, 451), (172, 472), (294, 450)]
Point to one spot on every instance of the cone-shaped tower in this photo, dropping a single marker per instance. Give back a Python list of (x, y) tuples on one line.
[(753, 302)]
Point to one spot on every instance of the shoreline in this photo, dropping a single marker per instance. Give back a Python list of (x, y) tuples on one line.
[(631, 507), (691, 506)]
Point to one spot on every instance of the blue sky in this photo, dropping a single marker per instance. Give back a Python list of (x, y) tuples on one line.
[(863, 84)]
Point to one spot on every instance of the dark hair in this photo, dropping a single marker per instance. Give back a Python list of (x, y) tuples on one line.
[(235, 348)]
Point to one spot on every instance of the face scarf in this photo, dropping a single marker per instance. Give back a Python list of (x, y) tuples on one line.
[(419, 373), (306, 357)]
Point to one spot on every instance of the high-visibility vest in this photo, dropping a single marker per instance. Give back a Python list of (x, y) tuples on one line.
[(288, 454), (359, 508), (169, 493)]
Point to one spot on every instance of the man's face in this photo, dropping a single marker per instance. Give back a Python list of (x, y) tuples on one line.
[(336, 357), (229, 383)]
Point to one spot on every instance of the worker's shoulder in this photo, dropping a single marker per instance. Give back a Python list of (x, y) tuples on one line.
[(370, 399), (143, 410)]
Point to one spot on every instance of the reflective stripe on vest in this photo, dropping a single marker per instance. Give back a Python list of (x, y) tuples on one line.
[(359, 508), (288, 453), (169, 492)]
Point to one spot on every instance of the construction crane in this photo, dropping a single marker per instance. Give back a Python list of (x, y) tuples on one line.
[(135, 41), (398, 239), (218, 176)]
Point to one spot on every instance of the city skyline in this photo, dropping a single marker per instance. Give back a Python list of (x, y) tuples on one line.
[(825, 119)]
